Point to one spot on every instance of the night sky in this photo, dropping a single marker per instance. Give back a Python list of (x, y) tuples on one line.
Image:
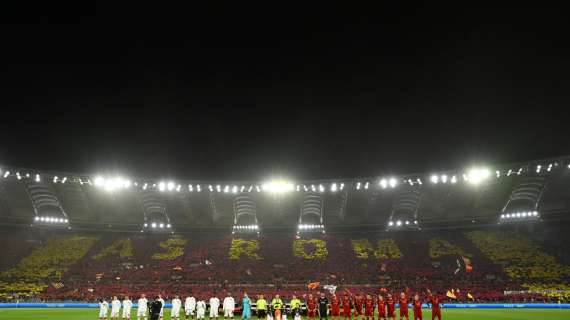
[(250, 93)]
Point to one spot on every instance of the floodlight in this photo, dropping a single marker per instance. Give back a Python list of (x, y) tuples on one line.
[(453, 179), (415, 221), (358, 186), (366, 185), (226, 189), (38, 179), (37, 218), (66, 221), (407, 222), (398, 223), (161, 225), (333, 187), (6, 174), (168, 225), (444, 178), (278, 186), (321, 188), (153, 225), (199, 188), (538, 168), (161, 186), (383, 183), (146, 225), (170, 186), (393, 182), (534, 213), (235, 189), (434, 179), (524, 214), (518, 214), (477, 175)]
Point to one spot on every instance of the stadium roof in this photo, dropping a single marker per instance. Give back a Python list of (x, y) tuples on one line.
[(518, 192)]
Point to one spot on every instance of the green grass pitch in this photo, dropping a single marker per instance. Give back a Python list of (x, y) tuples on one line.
[(448, 314)]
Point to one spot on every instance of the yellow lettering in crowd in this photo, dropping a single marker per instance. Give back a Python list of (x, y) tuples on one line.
[(387, 249), (439, 247), (247, 248), (311, 249), (122, 248), (173, 248)]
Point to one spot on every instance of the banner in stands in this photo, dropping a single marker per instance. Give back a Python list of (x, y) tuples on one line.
[(445, 305)]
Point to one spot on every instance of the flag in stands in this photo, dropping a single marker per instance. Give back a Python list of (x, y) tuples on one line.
[(331, 288), (57, 285), (313, 285), (450, 294), (470, 296)]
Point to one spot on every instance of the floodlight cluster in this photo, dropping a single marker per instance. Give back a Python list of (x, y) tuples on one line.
[(519, 215), (157, 225), (50, 220), (477, 175), (110, 184), (388, 183), (400, 223), (443, 178), (245, 228), (311, 227), (278, 186)]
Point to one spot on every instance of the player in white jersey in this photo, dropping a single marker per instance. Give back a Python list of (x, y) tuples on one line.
[(142, 308), (214, 307), (127, 306), (115, 308), (200, 309), (103, 309), (228, 306), (190, 307), (176, 305), (161, 316)]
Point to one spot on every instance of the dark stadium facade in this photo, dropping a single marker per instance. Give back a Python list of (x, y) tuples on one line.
[(539, 189)]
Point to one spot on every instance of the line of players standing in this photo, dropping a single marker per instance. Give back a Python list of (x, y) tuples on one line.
[(364, 307)]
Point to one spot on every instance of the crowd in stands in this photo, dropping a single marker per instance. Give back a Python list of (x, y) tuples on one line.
[(88, 266)]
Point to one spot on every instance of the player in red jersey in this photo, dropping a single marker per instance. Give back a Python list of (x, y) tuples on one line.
[(311, 307), (391, 306), (404, 306), (417, 305), (435, 305), (369, 307), (335, 306), (346, 304), (381, 307), (358, 304)]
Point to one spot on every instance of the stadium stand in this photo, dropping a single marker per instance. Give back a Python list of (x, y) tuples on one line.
[(84, 266)]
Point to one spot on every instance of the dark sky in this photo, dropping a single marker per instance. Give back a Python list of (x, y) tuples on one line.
[(246, 93)]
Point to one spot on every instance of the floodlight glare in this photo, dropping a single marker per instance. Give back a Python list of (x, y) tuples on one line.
[(153, 225), (434, 179), (170, 186), (333, 187), (398, 223), (393, 182), (477, 175), (278, 186), (99, 181), (384, 183)]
